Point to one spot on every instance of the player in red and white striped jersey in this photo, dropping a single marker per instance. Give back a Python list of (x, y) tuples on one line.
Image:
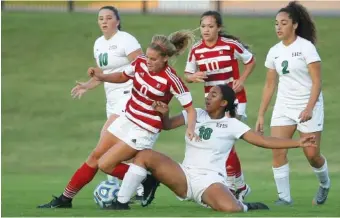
[(214, 60), (153, 80)]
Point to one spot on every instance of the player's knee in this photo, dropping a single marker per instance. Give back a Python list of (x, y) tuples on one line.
[(226, 207), (142, 157), (279, 157), (104, 166), (315, 159), (92, 159)]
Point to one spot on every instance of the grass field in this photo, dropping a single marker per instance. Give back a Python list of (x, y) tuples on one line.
[(46, 134)]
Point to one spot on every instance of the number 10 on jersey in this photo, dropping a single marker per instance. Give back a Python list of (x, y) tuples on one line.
[(212, 65), (103, 59)]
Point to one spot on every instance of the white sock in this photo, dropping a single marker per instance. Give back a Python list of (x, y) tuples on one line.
[(113, 179), (245, 207), (239, 181), (322, 174), (132, 179), (281, 176), (231, 182)]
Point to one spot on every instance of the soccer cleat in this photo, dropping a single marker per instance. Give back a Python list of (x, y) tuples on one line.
[(138, 197), (256, 206), (150, 185), (116, 205), (282, 202), (57, 202), (241, 194), (321, 196)]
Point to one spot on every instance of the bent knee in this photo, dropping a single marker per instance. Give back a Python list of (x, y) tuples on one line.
[(142, 157), (224, 207), (104, 166)]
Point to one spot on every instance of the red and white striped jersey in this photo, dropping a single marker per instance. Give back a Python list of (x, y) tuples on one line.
[(149, 87), (220, 62)]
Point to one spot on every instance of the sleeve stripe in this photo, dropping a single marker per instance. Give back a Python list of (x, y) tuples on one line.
[(176, 81), (187, 105)]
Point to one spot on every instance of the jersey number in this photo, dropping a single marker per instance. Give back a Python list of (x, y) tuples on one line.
[(284, 66), (212, 65), (205, 133), (103, 59)]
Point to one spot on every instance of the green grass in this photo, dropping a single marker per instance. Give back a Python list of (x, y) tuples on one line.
[(46, 135)]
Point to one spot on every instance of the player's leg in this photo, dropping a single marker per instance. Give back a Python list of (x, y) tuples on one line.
[(219, 198), (84, 174), (235, 179), (163, 169), (282, 126), (314, 156)]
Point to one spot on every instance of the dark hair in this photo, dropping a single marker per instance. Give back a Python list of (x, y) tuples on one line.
[(299, 14), (174, 44), (115, 12), (230, 96), (219, 23)]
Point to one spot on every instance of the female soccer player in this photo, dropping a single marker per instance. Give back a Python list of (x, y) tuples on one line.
[(214, 60), (202, 175), (153, 80), (113, 51), (299, 102)]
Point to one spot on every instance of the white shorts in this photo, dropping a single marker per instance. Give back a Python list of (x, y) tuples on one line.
[(241, 111), (198, 181), (133, 135), (286, 116), (118, 105)]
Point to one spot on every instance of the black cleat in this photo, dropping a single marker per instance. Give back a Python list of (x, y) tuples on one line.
[(150, 185), (256, 206), (116, 205), (57, 202), (321, 196)]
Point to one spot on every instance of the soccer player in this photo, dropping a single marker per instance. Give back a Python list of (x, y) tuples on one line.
[(201, 177), (113, 51), (295, 62), (153, 80), (214, 60)]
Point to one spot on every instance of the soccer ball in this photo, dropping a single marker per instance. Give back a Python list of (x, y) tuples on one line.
[(105, 193)]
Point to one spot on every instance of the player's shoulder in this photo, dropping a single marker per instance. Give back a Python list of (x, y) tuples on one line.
[(125, 35), (201, 115), (99, 40), (304, 43), (197, 45), (275, 48), (230, 42)]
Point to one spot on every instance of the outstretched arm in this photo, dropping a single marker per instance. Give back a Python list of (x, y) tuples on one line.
[(275, 143), (168, 122), (98, 74)]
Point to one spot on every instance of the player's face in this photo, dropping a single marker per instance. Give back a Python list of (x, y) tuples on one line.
[(209, 28), (107, 21), (155, 61), (214, 101), (284, 26)]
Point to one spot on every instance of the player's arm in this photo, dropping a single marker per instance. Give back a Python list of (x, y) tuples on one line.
[(190, 73), (268, 91), (133, 55), (168, 123), (118, 77), (277, 143)]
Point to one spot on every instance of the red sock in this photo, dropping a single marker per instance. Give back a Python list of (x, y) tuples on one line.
[(120, 170), (79, 179), (233, 164)]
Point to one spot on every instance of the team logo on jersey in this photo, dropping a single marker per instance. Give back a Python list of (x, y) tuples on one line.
[(221, 125), (202, 56), (158, 85), (296, 54), (221, 52), (141, 74), (112, 47)]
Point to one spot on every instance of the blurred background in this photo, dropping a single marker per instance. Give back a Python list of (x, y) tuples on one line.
[(46, 46)]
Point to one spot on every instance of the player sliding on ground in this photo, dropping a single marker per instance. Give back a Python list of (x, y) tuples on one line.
[(153, 80), (202, 175)]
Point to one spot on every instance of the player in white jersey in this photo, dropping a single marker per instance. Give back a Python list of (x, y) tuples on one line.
[(201, 177), (215, 60), (113, 51), (299, 103)]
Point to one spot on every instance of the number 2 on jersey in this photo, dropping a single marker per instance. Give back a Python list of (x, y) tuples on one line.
[(284, 64), (103, 59), (205, 133)]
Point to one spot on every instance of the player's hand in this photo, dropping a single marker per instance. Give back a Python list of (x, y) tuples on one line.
[(259, 127), (307, 141), (198, 77), (192, 135), (305, 115), (160, 107), (95, 72), (79, 90), (238, 85)]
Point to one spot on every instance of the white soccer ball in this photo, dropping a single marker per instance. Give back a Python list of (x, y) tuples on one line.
[(105, 193)]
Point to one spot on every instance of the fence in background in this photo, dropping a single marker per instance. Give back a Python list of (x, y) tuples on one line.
[(241, 7)]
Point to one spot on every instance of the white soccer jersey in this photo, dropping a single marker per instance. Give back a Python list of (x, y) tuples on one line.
[(217, 139), (290, 62), (111, 56)]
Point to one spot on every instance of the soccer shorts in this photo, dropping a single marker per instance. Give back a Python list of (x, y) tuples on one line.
[(133, 135), (286, 116), (198, 181), (118, 104)]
